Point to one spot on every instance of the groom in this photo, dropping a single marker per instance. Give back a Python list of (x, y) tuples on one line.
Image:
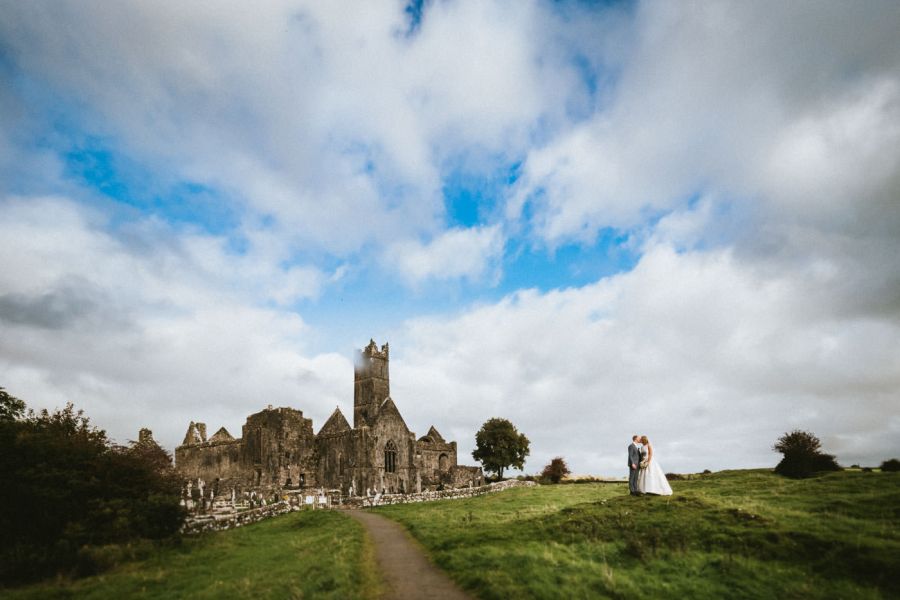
[(634, 461)]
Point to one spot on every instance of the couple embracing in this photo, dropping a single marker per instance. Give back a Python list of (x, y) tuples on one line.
[(645, 476)]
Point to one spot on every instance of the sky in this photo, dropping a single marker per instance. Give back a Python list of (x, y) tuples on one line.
[(593, 219)]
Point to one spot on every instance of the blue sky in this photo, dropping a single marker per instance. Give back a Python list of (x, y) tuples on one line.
[(552, 210)]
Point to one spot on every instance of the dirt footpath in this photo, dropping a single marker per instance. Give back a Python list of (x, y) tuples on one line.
[(406, 570)]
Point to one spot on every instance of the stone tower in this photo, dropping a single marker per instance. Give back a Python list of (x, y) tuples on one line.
[(371, 383)]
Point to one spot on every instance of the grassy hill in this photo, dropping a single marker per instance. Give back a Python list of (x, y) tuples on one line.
[(736, 534), (300, 555)]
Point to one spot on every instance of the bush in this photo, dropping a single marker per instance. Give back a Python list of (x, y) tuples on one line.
[(802, 455), (556, 470), (675, 477), (891, 465), (69, 495)]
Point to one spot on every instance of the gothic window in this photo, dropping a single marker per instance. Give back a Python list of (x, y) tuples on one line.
[(390, 457), (443, 463), (340, 464)]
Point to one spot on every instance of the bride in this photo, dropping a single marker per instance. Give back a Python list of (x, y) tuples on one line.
[(651, 479)]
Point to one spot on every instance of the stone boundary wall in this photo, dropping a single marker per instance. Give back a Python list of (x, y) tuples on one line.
[(451, 494), (201, 524)]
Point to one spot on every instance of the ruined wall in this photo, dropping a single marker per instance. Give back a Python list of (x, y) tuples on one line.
[(343, 460), (391, 433), (211, 460), (279, 448), (435, 460), (463, 476)]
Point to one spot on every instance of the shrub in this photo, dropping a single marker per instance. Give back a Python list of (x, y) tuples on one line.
[(675, 477), (891, 465), (69, 495), (802, 455), (556, 470), (707, 472)]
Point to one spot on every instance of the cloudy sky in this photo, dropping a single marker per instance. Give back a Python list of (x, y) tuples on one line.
[(594, 219)]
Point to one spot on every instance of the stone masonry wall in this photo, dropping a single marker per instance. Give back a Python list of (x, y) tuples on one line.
[(451, 494), (197, 525), (210, 460)]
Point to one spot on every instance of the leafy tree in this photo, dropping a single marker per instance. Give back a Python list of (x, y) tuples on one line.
[(556, 470), (499, 446), (803, 456), (11, 408), (66, 487), (891, 465)]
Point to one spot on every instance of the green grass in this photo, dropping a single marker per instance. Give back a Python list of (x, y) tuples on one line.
[(735, 534), (308, 554)]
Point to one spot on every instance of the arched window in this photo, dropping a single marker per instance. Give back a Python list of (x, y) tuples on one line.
[(443, 463), (340, 463), (390, 457)]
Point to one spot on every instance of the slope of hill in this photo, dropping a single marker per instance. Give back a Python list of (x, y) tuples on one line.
[(746, 534), (737, 534), (299, 555)]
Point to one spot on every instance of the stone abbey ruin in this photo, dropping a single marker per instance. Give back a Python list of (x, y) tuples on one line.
[(279, 450)]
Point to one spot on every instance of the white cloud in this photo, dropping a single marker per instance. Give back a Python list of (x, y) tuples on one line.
[(786, 107), (151, 329), (710, 357), (337, 128), (457, 253)]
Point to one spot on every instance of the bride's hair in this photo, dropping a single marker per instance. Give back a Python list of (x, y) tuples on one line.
[(645, 439)]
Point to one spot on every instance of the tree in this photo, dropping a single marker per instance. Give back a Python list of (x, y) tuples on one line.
[(66, 488), (803, 456), (556, 470), (499, 446), (11, 408), (891, 464)]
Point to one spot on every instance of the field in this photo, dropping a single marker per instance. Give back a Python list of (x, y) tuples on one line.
[(300, 555), (735, 534), (744, 534)]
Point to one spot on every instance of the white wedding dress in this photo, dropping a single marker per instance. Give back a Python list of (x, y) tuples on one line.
[(651, 479)]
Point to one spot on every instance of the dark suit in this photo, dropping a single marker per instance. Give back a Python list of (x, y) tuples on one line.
[(634, 458)]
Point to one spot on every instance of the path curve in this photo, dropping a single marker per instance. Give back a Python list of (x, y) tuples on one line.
[(407, 572)]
